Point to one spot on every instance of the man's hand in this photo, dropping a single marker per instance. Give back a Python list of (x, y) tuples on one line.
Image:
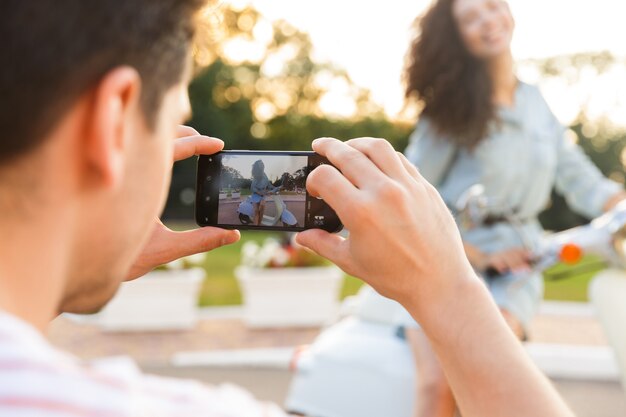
[(403, 240), (166, 245)]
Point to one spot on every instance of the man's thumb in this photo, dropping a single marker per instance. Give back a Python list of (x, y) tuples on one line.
[(330, 246)]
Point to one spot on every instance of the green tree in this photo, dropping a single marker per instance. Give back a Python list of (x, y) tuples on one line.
[(273, 102)]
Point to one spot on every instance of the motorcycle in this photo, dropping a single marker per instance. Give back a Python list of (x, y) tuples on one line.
[(283, 216), (360, 366)]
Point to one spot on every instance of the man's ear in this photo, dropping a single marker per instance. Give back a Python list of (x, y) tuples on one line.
[(114, 115)]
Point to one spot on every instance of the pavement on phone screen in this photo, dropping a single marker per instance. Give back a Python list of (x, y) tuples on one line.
[(227, 211)]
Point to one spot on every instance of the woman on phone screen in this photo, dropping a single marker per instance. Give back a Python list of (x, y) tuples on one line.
[(260, 187), (481, 125)]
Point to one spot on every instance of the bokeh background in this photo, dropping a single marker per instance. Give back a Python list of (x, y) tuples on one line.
[(273, 75)]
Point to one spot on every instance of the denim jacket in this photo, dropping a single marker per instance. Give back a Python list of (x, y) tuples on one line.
[(525, 156)]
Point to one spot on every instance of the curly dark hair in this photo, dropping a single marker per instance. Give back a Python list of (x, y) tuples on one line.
[(453, 86)]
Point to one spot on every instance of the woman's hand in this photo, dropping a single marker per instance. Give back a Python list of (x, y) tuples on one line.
[(614, 201), (510, 260)]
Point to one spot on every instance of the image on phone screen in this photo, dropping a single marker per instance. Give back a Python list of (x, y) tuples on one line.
[(260, 190)]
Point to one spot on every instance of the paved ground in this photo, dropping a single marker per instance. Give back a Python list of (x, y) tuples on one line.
[(227, 212), (154, 352), (567, 330), (597, 399), (156, 348)]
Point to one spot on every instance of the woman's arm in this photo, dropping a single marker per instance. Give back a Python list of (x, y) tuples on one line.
[(584, 187), (255, 188)]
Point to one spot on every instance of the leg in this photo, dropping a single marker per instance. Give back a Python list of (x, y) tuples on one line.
[(518, 299), (261, 211), (255, 218), (434, 396)]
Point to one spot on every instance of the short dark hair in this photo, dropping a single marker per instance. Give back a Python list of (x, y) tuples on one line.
[(55, 50)]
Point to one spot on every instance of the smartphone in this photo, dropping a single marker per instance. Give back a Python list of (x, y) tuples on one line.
[(261, 190)]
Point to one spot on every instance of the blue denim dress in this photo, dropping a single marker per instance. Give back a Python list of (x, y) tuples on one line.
[(524, 157), (259, 187)]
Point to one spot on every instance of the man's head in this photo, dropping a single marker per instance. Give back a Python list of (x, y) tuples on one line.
[(92, 92)]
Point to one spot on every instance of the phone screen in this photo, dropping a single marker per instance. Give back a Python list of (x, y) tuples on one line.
[(260, 190)]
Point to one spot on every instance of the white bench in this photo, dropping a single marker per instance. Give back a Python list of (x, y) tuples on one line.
[(608, 294)]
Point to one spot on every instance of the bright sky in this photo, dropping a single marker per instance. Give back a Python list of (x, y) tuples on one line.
[(275, 165), (369, 38)]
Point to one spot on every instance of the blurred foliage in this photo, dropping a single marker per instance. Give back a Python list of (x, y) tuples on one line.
[(275, 101), (221, 288), (259, 87), (572, 66)]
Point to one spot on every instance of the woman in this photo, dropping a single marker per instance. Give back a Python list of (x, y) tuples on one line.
[(481, 125), (261, 186)]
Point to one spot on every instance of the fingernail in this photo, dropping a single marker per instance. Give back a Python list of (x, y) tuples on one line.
[(319, 140), (231, 238)]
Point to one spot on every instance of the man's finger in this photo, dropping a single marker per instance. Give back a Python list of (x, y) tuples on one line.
[(382, 154), (329, 184), (411, 169), (196, 145), (354, 165), (183, 131), (166, 246), (330, 246), (190, 242)]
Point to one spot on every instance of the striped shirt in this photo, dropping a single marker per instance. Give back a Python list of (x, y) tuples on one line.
[(37, 380)]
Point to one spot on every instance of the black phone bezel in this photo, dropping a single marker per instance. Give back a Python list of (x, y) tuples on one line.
[(209, 166)]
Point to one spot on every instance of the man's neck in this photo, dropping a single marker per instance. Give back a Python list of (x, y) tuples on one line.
[(33, 265)]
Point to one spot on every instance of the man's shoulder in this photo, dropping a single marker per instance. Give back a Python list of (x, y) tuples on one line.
[(37, 378)]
